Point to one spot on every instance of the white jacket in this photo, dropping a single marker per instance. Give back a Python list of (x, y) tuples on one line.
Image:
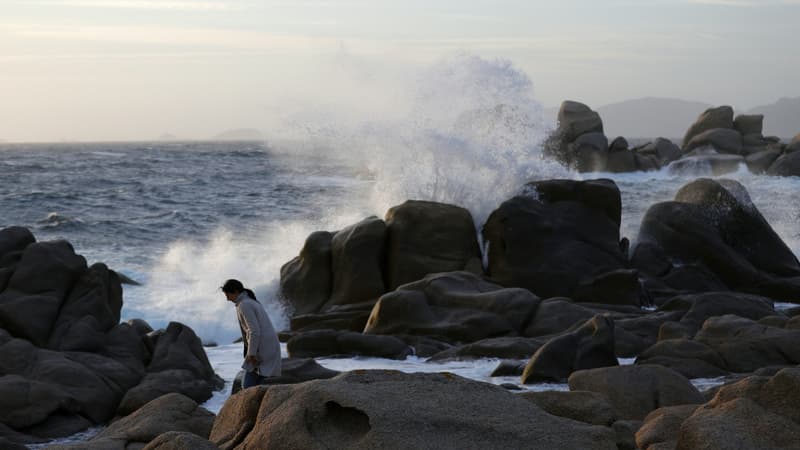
[(259, 336)]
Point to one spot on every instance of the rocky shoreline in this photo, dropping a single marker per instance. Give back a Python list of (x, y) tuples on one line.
[(548, 285)]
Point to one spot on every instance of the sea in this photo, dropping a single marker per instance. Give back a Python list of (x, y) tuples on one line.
[(181, 217)]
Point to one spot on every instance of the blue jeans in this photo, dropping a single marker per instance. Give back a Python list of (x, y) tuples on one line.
[(251, 379)]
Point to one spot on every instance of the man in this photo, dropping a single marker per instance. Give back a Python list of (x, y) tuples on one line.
[(262, 351)]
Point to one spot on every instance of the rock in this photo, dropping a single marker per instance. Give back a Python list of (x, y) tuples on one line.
[(663, 149), (787, 165), (761, 161), (724, 141), (635, 391), (453, 307), (13, 241), (708, 164), (357, 262), (617, 287), (690, 358), (556, 315), (720, 117), (509, 369), (660, 428), (387, 409), (89, 312), (43, 277), (318, 343), (293, 370), (646, 163), (171, 412), (584, 406), (714, 224), (428, 237), (562, 234), (626, 433), (621, 161), (588, 347), (726, 422), (746, 345), (576, 119), (501, 347), (306, 281), (749, 124), (179, 364), (180, 440), (590, 152), (700, 307), (140, 326), (794, 145), (618, 144), (352, 320)]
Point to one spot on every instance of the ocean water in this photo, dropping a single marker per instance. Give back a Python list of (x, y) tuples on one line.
[(181, 217)]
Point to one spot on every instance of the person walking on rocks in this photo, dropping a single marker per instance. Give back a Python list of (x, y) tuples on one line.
[(262, 351)]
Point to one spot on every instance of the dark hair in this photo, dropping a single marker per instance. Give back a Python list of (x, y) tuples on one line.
[(236, 287)]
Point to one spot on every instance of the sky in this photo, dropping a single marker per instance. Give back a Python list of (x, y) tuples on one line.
[(136, 69)]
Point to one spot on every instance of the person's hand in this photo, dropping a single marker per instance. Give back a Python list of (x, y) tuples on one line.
[(252, 359)]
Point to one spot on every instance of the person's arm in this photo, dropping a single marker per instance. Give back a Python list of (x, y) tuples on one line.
[(253, 330)]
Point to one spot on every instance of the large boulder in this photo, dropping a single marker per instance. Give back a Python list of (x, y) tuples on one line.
[(660, 428), (719, 117), (786, 166), (563, 233), (749, 124), (428, 237), (306, 280), (793, 145), (454, 307), (588, 347), (722, 140), (171, 412), (386, 409), (664, 150), (318, 343), (589, 152), (293, 370), (556, 315), (578, 142), (357, 262), (759, 162), (178, 364), (13, 241), (757, 412), (706, 163), (714, 225), (42, 279), (635, 391), (180, 440), (576, 119)]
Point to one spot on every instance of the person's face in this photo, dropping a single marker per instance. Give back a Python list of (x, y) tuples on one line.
[(231, 296)]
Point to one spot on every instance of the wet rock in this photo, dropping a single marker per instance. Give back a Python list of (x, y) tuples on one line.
[(761, 161), (635, 391), (707, 163), (307, 280), (293, 370), (555, 315), (724, 141), (340, 343), (171, 412), (428, 237), (719, 117), (786, 166), (453, 307), (590, 152), (351, 320), (664, 150), (714, 224), (576, 119), (502, 347), (588, 347), (357, 255), (563, 233), (386, 409)]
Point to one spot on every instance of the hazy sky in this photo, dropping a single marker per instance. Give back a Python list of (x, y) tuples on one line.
[(134, 69)]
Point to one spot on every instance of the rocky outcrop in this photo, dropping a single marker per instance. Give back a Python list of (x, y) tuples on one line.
[(66, 362), (635, 391), (786, 165), (386, 409), (579, 142), (559, 238), (358, 264), (293, 370), (727, 421), (584, 406), (713, 227), (334, 342), (453, 307), (712, 118), (169, 413)]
